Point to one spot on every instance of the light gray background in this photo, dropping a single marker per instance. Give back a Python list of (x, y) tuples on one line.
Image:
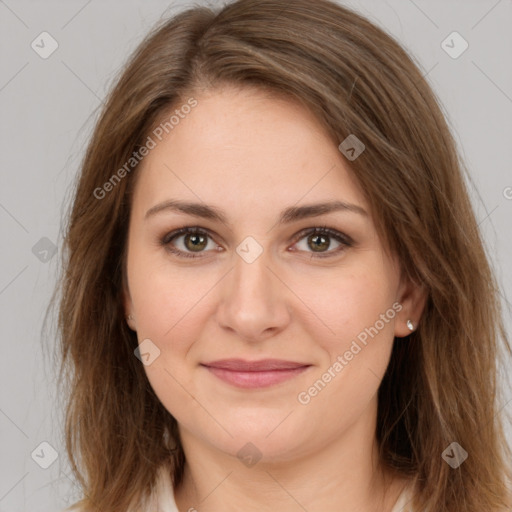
[(48, 107)]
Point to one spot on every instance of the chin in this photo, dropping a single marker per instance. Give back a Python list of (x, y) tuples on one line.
[(266, 437)]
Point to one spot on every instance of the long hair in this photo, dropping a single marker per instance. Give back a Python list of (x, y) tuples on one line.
[(441, 384)]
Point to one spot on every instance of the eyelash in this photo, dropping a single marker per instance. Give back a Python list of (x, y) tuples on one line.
[(343, 239)]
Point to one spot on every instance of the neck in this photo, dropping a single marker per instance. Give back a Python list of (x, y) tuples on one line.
[(343, 474)]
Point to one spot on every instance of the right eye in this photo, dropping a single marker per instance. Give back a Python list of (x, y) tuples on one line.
[(194, 240)]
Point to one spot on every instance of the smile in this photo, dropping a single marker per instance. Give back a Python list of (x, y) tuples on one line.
[(257, 374)]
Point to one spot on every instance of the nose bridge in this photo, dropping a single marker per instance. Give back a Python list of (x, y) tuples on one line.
[(251, 278), (254, 301)]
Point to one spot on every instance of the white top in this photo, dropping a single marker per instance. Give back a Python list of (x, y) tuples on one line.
[(163, 498), (403, 502), (165, 501)]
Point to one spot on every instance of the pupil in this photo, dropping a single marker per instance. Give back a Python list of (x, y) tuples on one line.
[(198, 242), (324, 244)]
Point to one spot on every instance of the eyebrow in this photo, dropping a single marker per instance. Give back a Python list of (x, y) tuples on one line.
[(287, 216)]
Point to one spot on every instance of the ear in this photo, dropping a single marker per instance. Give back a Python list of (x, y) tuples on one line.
[(412, 297), (128, 307)]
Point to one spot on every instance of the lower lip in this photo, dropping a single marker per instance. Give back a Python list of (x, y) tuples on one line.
[(252, 380)]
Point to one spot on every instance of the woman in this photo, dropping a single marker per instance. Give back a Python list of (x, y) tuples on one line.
[(275, 294)]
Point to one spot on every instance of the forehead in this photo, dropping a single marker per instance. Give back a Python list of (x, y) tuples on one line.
[(248, 147)]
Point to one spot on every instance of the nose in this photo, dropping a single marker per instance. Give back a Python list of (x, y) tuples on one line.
[(254, 303)]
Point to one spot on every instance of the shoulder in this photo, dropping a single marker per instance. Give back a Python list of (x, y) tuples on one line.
[(160, 500)]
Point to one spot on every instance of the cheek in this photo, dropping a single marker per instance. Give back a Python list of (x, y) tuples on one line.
[(170, 313), (348, 305), (170, 302), (158, 293), (360, 311)]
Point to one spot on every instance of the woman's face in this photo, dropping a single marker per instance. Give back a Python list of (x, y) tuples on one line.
[(258, 285)]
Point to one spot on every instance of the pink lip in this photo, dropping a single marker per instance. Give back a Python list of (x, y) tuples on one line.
[(255, 374)]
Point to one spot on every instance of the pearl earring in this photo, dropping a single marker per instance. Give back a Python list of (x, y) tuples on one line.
[(410, 325)]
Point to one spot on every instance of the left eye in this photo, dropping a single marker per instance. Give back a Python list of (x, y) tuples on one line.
[(195, 240), (320, 240)]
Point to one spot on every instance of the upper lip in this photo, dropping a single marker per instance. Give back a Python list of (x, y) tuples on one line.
[(241, 365)]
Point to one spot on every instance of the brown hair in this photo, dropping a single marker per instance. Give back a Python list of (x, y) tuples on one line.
[(441, 384)]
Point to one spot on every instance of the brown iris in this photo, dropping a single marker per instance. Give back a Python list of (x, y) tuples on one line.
[(195, 242), (320, 242)]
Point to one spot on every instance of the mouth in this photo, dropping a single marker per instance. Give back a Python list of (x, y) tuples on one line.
[(255, 374)]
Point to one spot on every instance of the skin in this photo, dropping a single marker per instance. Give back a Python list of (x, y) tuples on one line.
[(251, 156)]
